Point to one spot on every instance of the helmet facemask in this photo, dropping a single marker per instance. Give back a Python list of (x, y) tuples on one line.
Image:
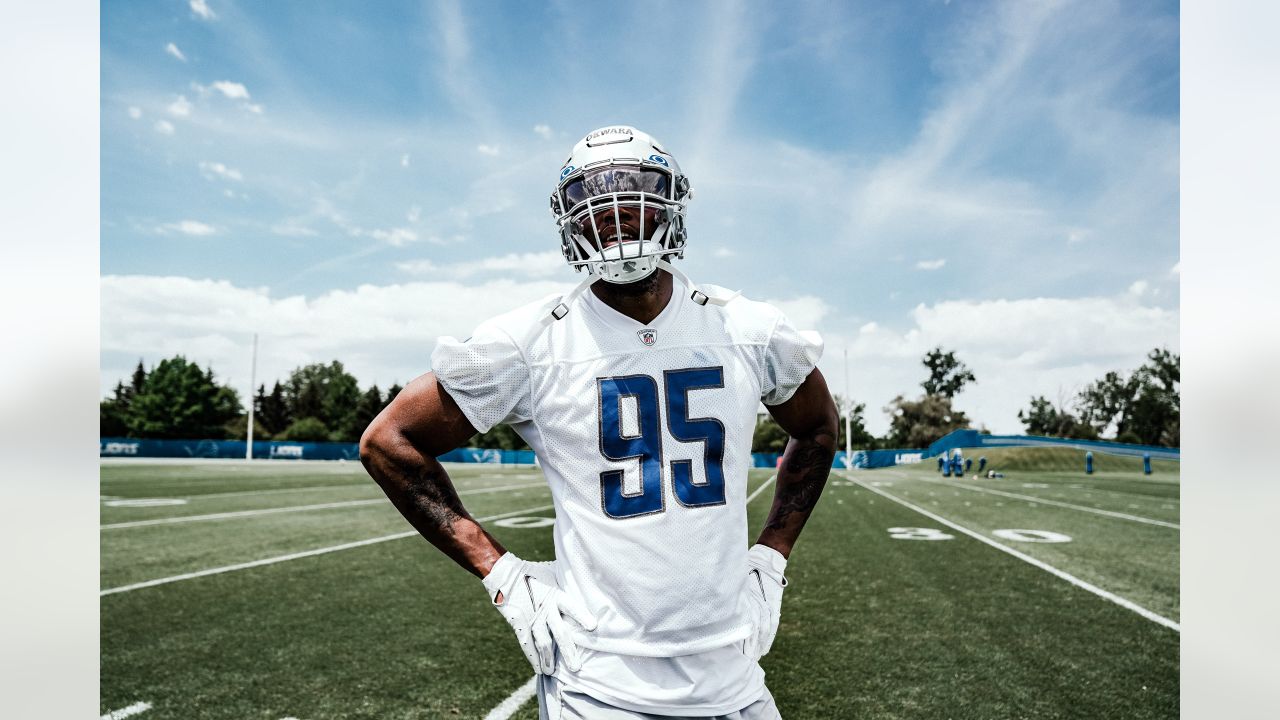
[(619, 216)]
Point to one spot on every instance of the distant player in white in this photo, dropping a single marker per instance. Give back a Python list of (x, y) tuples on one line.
[(638, 392)]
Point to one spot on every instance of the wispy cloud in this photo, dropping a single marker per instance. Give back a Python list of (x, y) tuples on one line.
[(217, 169), (456, 70), (180, 107), (233, 90), (931, 264), (490, 150), (135, 112), (174, 51), (188, 227), (164, 127), (529, 265), (396, 237), (291, 229), (201, 8), (723, 252), (404, 160), (543, 131)]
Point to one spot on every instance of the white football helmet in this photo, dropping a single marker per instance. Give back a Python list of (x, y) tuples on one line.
[(620, 205)]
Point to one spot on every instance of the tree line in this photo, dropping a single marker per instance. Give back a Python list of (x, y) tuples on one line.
[(177, 399), (1141, 407)]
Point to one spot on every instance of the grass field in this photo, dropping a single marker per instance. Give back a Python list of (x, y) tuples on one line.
[(279, 590)]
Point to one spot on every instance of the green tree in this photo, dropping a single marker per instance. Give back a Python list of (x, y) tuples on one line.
[(308, 429), (499, 437), (179, 400), (862, 440), (917, 423), (1144, 407), (367, 408), (272, 410), (113, 413), (947, 375), (769, 437), (328, 393), (392, 392), (1043, 418)]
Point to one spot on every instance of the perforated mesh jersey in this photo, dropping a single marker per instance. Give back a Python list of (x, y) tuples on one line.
[(645, 447)]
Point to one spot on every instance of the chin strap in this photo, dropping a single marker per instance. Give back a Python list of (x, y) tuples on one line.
[(562, 309), (695, 294)]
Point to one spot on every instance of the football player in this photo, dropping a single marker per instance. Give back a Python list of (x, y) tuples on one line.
[(638, 393)]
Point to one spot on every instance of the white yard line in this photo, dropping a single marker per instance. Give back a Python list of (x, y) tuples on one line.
[(1032, 498), (275, 491), (293, 556), (508, 707), (760, 489), (1106, 595), (125, 712), (288, 508)]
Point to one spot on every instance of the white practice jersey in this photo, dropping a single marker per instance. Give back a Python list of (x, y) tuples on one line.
[(644, 435)]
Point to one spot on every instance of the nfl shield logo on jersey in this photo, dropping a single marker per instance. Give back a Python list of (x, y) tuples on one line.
[(648, 336)]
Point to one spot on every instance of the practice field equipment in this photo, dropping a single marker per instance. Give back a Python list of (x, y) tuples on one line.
[(968, 464), (982, 463), (1088, 462), (1146, 463), (942, 462)]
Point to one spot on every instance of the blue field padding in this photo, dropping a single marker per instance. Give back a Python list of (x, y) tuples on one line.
[(975, 439)]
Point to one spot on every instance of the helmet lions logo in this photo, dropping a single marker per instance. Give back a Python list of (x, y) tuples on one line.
[(647, 336)]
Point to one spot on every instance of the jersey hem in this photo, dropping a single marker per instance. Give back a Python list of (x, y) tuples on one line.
[(651, 649), (745, 699)]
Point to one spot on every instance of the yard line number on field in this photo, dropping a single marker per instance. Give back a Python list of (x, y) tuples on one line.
[(1104, 594), (293, 556), (290, 508), (1083, 508)]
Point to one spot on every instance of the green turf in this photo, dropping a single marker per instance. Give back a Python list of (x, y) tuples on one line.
[(872, 626)]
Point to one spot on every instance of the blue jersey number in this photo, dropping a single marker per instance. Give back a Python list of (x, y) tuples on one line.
[(647, 446)]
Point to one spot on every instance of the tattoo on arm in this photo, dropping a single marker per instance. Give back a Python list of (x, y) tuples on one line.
[(434, 497), (800, 483)]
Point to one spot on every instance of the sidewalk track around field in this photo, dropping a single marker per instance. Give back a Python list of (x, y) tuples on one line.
[(1104, 594), (291, 508), (295, 556), (1046, 501)]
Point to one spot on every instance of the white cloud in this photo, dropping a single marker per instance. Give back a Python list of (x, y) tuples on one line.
[(188, 227), (490, 150), (164, 127), (723, 252), (395, 236), (180, 107), (543, 131), (1138, 288), (135, 112), (404, 160), (174, 51), (529, 265), (201, 8), (290, 229), (414, 214), (1017, 349), (233, 90), (217, 169), (382, 334), (1176, 270), (254, 108), (805, 312), (931, 264)]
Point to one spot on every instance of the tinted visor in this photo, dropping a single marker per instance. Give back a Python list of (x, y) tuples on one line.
[(615, 180)]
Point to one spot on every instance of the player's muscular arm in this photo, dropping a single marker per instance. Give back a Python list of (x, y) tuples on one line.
[(399, 450), (810, 418)]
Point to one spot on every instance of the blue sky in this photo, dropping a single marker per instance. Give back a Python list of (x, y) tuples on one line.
[(353, 181)]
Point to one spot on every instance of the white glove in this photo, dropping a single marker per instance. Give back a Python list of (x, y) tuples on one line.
[(535, 607), (764, 586)]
